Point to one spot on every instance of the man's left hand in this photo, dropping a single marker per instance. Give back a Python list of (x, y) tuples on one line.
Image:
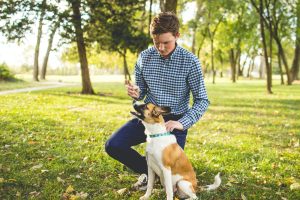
[(171, 125)]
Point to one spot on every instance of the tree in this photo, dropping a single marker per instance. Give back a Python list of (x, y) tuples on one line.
[(38, 41), (76, 20), (114, 27), (273, 15), (168, 5), (294, 73)]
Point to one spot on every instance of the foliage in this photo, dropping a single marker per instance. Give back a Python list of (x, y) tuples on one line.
[(114, 25), (5, 74), (54, 147)]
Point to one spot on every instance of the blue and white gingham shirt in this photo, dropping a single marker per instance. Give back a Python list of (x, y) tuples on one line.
[(168, 82)]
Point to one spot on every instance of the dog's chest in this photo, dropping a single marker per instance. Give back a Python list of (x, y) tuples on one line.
[(154, 151)]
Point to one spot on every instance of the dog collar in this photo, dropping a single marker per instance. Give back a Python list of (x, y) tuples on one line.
[(159, 134)]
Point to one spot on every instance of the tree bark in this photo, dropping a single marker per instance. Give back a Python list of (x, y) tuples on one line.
[(45, 63), (85, 75), (262, 31), (296, 61), (126, 70), (38, 42), (280, 69), (233, 65)]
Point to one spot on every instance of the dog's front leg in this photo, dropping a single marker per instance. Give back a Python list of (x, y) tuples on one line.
[(168, 183), (150, 184)]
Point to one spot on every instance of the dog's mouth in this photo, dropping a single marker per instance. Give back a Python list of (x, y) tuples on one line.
[(138, 115), (139, 110)]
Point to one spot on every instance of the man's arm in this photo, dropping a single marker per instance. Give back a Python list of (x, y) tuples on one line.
[(200, 99)]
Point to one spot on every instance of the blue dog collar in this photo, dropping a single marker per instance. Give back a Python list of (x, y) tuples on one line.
[(160, 134)]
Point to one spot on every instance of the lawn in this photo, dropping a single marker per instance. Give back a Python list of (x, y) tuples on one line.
[(52, 143)]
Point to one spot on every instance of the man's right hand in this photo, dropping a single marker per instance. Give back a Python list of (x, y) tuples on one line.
[(132, 90)]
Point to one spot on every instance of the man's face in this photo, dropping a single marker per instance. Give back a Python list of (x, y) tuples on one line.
[(165, 43)]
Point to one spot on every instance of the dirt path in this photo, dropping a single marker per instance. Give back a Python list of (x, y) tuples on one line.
[(30, 89)]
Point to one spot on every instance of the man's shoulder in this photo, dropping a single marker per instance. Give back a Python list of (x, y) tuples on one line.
[(186, 53), (147, 52)]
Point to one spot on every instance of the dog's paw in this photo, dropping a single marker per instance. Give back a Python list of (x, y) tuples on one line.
[(144, 198)]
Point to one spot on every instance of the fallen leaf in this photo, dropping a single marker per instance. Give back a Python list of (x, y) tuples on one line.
[(82, 195), (243, 197), (295, 186), (70, 189), (37, 167), (122, 191), (60, 180)]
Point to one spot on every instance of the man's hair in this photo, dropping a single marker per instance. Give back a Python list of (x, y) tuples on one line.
[(165, 22)]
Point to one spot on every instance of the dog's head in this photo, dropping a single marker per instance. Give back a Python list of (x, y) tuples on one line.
[(150, 113)]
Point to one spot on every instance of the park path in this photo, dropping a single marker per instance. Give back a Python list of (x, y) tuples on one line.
[(30, 89)]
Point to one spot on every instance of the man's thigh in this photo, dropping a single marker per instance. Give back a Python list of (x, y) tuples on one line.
[(130, 134)]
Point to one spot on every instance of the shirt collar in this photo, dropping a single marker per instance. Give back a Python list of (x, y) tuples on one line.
[(173, 53)]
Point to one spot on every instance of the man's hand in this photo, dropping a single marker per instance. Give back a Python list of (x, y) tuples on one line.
[(171, 125), (132, 90)]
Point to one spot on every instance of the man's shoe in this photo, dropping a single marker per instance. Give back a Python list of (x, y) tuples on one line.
[(141, 184)]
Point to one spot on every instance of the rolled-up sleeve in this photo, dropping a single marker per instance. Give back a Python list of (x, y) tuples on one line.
[(139, 80)]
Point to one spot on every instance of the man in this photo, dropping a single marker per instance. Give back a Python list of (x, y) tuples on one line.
[(165, 75)]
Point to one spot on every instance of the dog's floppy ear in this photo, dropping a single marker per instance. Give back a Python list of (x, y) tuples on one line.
[(164, 110)]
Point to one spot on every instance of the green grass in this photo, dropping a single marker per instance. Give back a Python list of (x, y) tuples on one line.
[(53, 139)]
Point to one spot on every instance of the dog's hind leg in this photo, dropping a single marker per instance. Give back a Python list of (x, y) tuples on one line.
[(150, 184), (186, 189)]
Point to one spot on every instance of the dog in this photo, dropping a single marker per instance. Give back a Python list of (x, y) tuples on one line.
[(165, 157)]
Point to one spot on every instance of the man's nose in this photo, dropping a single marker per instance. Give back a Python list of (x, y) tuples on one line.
[(161, 47)]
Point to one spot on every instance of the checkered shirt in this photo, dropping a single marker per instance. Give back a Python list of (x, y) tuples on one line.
[(169, 82)]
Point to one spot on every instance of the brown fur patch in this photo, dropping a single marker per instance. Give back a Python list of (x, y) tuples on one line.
[(175, 159)]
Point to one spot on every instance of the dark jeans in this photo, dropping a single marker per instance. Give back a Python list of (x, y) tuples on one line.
[(132, 133)]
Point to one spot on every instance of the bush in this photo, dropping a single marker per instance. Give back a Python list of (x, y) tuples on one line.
[(5, 74)]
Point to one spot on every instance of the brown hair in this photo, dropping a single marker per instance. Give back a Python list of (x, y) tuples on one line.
[(165, 22)]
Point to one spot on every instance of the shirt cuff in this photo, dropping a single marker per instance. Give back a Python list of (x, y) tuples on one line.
[(185, 122)]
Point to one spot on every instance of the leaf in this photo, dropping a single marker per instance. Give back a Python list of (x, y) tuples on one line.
[(243, 197), (60, 180), (122, 191), (295, 186), (37, 167), (70, 189)]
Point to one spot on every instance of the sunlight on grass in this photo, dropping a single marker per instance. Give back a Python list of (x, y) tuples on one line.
[(54, 139)]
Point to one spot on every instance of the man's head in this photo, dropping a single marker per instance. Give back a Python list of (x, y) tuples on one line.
[(165, 32)]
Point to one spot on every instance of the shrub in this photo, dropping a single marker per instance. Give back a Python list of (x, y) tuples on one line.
[(5, 74)]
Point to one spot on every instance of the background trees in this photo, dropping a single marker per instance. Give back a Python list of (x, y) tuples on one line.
[(226, 35)]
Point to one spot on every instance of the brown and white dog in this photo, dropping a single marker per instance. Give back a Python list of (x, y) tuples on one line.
[(165, 157)]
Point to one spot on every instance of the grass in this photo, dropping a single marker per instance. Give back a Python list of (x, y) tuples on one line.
[(52, 143)]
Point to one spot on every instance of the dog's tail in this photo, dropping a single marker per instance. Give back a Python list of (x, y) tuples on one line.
[(215, 185)]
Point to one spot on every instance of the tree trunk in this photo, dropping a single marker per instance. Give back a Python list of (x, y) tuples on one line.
[(168, 5), (150, 17), (38, 42), (262, 31), (212, 60), (280, 69), (126, 70), (233, 65), (45, 63), (296, 61), (85, 75), (284, 60)]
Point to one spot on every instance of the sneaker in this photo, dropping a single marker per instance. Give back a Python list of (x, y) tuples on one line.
[(141, 184)]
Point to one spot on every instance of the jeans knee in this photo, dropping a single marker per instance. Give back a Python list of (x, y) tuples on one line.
[(108, 147)]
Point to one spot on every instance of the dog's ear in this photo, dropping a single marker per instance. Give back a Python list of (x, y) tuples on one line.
[(164, 110)]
